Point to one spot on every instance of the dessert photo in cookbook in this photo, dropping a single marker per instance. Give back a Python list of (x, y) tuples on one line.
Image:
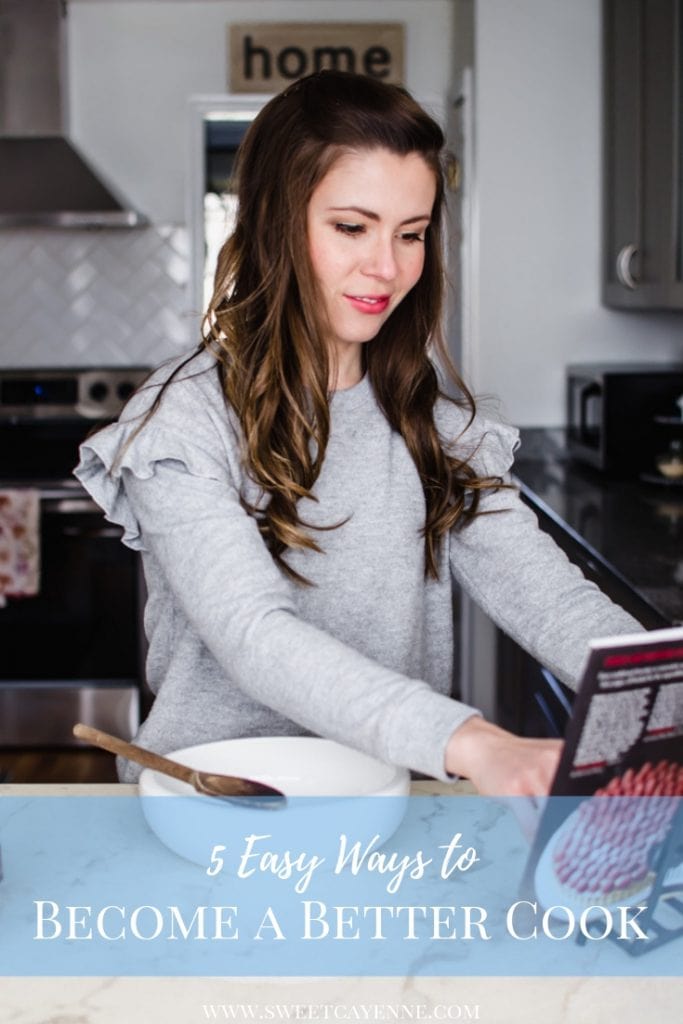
[(625, 742)]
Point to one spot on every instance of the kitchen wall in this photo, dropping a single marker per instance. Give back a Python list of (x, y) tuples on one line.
[(141, 60), (536, 211), (80, 298), (533, 249), (77, 298)]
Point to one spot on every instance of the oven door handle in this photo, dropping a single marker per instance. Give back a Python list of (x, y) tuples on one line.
[(56, 502), (64, 503), (92, 533), (73, 506)]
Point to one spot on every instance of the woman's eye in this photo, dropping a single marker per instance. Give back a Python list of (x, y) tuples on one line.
[(412, 236), (350, 229)]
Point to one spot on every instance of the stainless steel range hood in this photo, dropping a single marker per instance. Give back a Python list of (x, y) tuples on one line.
[(44, 180)]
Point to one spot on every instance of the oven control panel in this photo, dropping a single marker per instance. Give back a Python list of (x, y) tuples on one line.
[(98, 393), (103, 394)]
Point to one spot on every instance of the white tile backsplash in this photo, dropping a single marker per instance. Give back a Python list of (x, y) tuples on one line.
[(92, 298)]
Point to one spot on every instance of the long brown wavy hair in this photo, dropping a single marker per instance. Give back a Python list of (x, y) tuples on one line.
[(263, 321)]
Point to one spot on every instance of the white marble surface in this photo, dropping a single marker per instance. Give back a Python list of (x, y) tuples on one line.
[(186, 1000), (494, 1000)]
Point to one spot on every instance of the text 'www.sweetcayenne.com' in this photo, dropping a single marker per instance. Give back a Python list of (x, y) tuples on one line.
[(340, 1012)]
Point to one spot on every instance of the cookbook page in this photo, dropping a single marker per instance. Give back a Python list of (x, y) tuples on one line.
[(625, 741), (626, 731)]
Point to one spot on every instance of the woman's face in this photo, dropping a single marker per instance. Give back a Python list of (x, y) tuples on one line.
[(366, 227)]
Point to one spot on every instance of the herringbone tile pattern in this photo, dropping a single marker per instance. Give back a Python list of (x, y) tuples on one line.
[(94, 298)]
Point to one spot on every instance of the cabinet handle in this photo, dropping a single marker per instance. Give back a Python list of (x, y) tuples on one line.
[(624, 260)]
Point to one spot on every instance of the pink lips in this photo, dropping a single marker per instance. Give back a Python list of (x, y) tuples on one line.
[(372, 304)]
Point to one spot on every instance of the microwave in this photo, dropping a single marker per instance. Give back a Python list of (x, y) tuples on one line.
[(616, 411)]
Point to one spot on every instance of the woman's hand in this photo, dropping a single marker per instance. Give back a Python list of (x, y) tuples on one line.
[(498, 763)]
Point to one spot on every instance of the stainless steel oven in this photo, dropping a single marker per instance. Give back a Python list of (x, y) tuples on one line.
[(74, 651)]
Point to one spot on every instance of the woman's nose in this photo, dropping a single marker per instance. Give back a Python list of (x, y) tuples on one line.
[(380, 260)]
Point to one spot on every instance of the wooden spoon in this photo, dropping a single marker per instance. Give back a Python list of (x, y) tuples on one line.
[(229, 787)]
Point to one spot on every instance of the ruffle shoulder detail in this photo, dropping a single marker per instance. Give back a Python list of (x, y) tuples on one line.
[(488, 445), (117, 448), (190, 426)]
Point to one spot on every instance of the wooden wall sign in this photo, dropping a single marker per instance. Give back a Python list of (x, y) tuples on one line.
[(267, 57)]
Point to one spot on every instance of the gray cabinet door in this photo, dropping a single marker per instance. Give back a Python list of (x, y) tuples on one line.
[(642, 154)]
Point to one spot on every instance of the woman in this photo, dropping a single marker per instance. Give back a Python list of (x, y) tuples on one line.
[(300, 490)]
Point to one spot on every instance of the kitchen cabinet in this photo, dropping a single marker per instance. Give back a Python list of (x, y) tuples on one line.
[(643, 129), (530, 700)]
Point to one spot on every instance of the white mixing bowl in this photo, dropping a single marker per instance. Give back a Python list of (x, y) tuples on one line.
[(330, 789)]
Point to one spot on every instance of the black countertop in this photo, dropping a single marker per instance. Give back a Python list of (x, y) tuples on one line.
[(628, 535)]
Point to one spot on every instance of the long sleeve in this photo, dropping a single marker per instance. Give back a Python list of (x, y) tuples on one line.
[(364, 655), (235, 648), (518, 575), (224, 579)]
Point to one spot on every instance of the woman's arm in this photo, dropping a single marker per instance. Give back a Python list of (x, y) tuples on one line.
[(525, 583), (214, 559), (528, 587), (222, 575)]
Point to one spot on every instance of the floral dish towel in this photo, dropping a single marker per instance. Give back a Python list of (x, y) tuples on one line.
[(19, 543)]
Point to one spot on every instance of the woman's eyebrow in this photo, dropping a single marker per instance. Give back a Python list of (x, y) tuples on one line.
[(375, 216)]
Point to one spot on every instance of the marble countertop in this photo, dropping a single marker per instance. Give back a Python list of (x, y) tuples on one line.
[(184, 1000), (194, 1000), (629, 530)]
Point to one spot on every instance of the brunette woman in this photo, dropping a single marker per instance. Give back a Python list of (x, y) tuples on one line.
[(301, 490)]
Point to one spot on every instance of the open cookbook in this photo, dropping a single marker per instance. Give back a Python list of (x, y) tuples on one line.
[(624, 741), (625, 735)]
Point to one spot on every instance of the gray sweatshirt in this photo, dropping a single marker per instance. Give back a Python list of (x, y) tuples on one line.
[(364, 655)]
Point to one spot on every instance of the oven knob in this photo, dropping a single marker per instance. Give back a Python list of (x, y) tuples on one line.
[(125, 390), (98, 391)]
